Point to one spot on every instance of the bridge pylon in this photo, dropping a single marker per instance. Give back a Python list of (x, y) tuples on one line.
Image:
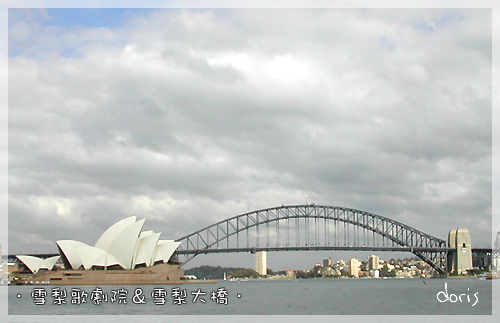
[(460, 259)]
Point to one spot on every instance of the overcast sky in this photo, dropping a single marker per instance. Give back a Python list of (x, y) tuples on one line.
[(188, 117)]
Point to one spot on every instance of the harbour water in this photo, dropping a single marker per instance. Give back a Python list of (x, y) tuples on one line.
[(466, 296)]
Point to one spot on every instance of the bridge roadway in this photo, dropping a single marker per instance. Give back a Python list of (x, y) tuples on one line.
[(316, 248)]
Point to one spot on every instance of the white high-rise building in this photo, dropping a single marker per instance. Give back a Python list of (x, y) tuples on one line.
[(261, 262), (354, 267), (373, 262)]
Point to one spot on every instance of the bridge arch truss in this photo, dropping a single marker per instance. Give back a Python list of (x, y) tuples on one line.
[(313, 227)]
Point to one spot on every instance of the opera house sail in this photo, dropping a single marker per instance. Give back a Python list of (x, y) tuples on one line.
[(124, 254)]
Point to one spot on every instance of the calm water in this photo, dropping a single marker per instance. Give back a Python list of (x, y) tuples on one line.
[(283, 297)]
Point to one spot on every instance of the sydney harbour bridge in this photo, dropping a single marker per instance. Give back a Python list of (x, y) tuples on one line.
[(318, 227)]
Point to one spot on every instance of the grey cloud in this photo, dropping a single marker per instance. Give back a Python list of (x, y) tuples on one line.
[(187, 117)]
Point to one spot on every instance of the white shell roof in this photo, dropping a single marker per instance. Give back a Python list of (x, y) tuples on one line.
[(146, 248), (35, 264), (165, 249), (89, 255), (107, 238), (106, 260), (146, 233), (122, 244), (69, 248)]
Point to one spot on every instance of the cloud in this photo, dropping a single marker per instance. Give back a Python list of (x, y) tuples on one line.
[(188, 117)]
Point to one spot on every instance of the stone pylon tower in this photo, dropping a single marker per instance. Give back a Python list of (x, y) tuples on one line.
[(461, 260)]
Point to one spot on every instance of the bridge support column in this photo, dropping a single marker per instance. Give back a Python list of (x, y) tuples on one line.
[(460, 260)]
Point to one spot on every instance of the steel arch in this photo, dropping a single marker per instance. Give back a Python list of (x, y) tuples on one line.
[(208, 240)]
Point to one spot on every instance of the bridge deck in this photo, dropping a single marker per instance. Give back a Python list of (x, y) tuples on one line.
[(345, 248)]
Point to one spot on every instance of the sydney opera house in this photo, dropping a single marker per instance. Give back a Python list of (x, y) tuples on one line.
[(124, 254)]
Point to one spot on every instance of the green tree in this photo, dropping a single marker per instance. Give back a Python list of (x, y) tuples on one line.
[(301, 274), (385, 272), (244, 273)]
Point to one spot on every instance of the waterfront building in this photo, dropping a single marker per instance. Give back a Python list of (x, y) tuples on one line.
[(375, 273), (328, 272), (122, 246), (261, 262), (354, 265), (363, 273), (496, 255), (373, 262), (328, 262), (122, 255)]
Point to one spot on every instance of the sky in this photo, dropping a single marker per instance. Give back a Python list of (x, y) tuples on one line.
[(188, 117)]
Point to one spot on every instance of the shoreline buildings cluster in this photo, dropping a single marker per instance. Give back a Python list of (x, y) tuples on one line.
[(460, 262), (374, 267)]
